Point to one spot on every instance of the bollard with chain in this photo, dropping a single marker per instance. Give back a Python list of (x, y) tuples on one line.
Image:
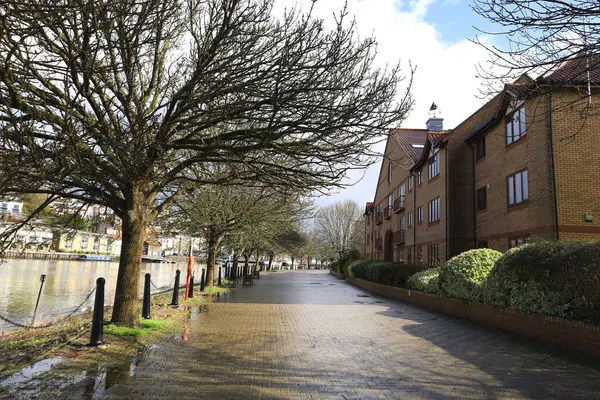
[(202, 281), (97, 336), (42, 280), (219, 283), (146, 303), (175, 299), (191, 291)]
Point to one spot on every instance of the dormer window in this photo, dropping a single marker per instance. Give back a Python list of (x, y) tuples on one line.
[(515, 125)]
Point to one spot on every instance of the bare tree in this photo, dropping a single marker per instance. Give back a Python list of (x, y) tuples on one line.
[(253, 216), (335, 227), (536, 37), (128, 104)]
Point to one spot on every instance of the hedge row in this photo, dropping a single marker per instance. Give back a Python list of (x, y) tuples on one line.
[(559, 279), (384, 272)]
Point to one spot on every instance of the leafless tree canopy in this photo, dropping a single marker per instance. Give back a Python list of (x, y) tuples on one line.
[(129, 103), (536, 36), (336, 227)]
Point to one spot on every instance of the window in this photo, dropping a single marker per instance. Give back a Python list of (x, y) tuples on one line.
[(389, 172), (390, 201), (410, 218), (434, 166), (433, 255), (434, 210), (482, 198), (420, 176), (409, 255), (480, 148), (420, 214), (84, 243), (402, 192), (419, 256), (411, 182), (401, 223), (518, 188), (515, 126), (518, 241)]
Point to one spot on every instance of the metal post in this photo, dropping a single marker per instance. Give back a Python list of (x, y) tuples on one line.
[(202, 281), (175, 299), (191, 290), (219, 283), (42, 280), (146, 302), (97, 336)]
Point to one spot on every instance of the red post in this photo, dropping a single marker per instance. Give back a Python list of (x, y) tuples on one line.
[(189, 272)]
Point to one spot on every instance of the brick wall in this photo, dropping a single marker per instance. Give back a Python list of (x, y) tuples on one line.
[(576, 136), (576, 335), (401, 164), (533, 218), (432, 234), (460, 180)]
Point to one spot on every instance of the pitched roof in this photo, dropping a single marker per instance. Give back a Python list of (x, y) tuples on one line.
[(575, 70), (437, 137), (407, 139)]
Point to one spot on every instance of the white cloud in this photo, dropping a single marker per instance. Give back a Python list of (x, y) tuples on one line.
[(445, 71)]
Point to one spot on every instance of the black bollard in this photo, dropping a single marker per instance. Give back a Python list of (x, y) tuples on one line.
[(191, 291), (175, 299), (146, 302), (232, 273), (97, 337), (202, 282), (219, 283)]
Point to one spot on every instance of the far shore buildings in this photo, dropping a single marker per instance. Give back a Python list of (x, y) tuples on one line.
[(522, 168)]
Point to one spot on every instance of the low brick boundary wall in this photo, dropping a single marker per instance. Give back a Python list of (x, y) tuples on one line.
[(573, 334)]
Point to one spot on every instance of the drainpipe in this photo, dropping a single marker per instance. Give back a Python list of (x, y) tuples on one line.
[(447, 255), (552, 159), (414, 219), (473, 198)]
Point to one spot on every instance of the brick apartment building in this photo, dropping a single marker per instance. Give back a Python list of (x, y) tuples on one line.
[(522, 168)]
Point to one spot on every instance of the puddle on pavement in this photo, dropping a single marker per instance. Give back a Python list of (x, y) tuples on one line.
[(362, 295), (30, 372)]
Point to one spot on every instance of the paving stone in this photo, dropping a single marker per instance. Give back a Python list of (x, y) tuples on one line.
[(308, 335)]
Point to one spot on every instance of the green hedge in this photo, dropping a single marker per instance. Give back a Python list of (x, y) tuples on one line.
[(384, 272), (461, 277), (559, 278), (425, 281)]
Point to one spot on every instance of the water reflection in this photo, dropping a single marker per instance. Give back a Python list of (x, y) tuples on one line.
[(67, 284)]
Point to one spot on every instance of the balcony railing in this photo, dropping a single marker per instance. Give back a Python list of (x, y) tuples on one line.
[(387, 212), (378, 243), (399, 237), (399, 204), (378, 218)]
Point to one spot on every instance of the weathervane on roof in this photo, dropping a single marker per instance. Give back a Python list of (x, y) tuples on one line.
[(433, 110)]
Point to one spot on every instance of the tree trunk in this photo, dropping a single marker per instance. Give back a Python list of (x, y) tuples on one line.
[(126, 305), (246, 257), (293, 259), (270, 261), (234, 269), (213, 247), (256, 268)]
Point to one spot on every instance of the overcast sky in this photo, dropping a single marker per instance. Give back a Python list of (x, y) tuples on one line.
[(431, 34)]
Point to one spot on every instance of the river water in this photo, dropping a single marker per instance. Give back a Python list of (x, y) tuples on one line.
[(66, 286)]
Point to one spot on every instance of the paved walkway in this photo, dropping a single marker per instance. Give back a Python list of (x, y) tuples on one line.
[(308, 335)]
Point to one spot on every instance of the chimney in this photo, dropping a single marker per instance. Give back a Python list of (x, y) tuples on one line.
[(435, 124)]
